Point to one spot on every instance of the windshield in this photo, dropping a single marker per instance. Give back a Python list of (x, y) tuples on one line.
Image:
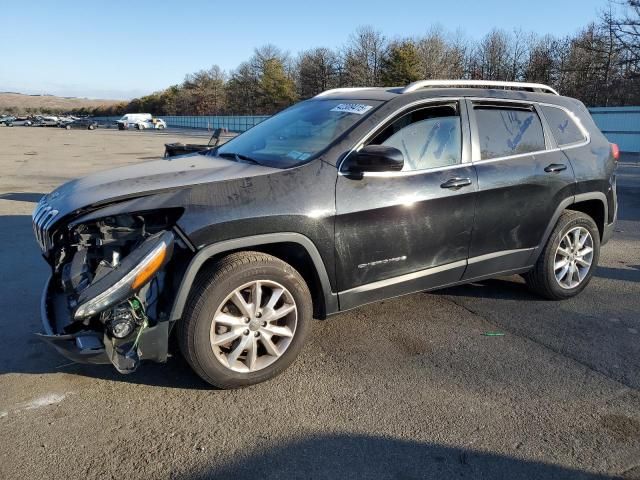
[(298, 134)]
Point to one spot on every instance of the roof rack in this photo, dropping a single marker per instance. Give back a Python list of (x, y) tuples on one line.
[(343, 90), (536, 87)]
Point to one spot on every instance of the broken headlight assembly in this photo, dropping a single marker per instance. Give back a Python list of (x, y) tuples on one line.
[(134, 272)]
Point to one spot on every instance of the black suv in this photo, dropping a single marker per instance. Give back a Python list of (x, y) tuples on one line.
[(354, 196)]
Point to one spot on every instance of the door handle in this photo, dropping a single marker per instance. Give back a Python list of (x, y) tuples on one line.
[(555, 168), (455, 183)]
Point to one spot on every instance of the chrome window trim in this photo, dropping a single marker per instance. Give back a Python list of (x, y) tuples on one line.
[(409, 173), (573, 116), (465, 131)]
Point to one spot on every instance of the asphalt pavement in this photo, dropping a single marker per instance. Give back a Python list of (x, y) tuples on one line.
[(405, 388)]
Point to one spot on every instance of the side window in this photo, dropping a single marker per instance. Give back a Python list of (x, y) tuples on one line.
[(428, 138), (505, 131), (564, 128)]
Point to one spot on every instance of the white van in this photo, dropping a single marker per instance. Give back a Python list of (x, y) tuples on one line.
[(140, 121)]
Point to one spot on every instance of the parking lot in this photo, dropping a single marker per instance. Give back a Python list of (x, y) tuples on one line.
[(405, 388)]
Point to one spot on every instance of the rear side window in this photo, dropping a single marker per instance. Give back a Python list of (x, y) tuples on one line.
[(506, 131), (564, 128)]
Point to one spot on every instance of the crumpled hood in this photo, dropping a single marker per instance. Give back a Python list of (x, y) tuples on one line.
[(147, 178)]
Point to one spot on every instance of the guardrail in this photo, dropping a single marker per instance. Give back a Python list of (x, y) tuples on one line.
[(620, 125), (233, 123)]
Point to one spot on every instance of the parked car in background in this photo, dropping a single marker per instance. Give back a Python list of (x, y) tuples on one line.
[(7, 120), (48, 121), (23, 122), (140, 121), (351, 197), (81, 123), (155, 123)]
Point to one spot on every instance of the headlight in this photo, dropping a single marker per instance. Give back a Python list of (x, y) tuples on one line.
[(130, 275)]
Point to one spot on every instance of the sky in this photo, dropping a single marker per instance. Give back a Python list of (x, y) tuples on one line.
[(120, 49)]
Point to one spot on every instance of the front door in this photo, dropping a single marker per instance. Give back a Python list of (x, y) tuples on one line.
[(400, 232)]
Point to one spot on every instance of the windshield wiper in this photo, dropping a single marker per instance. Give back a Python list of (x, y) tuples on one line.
[(239, 157)]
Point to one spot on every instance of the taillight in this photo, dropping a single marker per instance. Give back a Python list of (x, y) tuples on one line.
[(615, 151)]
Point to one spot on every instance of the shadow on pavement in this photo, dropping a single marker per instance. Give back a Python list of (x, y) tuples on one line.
[(631, 274), (369, 457), (508, 288)]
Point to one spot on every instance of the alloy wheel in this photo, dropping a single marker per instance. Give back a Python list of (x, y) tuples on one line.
[(253, 326), (573, 257)]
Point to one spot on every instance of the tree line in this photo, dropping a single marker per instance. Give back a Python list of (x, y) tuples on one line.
[(600, 65)]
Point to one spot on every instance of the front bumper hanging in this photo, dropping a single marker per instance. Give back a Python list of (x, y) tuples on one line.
[(95, 347)]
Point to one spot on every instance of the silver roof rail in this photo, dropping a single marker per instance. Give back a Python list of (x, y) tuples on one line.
[(343, 90), (412, 87)]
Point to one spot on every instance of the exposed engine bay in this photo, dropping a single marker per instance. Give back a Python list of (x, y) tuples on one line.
[(106, 286)]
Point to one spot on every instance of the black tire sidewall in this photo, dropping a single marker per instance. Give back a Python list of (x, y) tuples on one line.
[(559, 233), (214, 295)]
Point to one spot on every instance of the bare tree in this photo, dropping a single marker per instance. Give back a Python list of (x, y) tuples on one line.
[(363, 57), (317, 70), (599, 65)]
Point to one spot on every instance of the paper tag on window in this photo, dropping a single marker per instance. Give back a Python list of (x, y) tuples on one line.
[(356, 108)]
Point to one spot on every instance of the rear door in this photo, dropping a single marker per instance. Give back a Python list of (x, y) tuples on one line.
[(522, 179), (399, 232)]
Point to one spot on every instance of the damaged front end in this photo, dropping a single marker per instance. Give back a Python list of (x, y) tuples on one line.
[(103, 301)]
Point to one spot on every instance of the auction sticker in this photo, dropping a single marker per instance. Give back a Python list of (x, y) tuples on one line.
[(356, 108)]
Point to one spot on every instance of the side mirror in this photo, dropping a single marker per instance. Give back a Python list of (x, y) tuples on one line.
[(376, 158)]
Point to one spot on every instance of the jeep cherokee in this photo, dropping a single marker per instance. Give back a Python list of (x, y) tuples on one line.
[(348, 198)]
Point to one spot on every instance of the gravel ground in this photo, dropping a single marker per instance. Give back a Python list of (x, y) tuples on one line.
[(406, 388)]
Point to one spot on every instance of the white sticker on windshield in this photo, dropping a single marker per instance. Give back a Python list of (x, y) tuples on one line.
[(356, 108)]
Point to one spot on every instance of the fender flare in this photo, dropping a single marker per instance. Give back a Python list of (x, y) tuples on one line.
[(330, 298), (567, 202)]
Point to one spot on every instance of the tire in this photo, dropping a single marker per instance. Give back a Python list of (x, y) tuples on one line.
[(199, 328), (91, 127), (138, 126), (9, 124), (542, 278), (68, 127)]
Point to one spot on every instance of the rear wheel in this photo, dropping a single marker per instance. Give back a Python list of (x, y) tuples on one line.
[(91, 127), (246, 320), (567, 263)]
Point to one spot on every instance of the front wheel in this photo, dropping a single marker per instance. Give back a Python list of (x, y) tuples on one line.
[(246, 320), (566, 265)]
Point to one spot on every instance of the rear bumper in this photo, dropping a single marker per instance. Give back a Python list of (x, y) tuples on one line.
[(89, 346)]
